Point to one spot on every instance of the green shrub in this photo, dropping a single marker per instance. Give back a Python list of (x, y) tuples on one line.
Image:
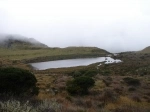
[(16, 81), (105, 72), (91, 73), (88, 73), (132, 81), (77, 74), (80, 85)]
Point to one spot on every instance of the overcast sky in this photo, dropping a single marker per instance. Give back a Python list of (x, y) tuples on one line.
[(114, 25)]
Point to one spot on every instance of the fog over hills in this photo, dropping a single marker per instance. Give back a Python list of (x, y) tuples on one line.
[(17, 41), (22, 42), (113, 25)]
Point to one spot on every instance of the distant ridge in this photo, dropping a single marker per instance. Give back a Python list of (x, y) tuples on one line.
[(93, 49), (19, 42), (145, 50)]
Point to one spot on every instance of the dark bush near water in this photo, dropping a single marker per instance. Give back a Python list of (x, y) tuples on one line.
[(17, 82)]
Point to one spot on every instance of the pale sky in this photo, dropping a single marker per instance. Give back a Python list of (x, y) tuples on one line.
[(113, 25)]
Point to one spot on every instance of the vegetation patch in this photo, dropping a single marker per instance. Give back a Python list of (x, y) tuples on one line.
[(16, 81), (84, 72), (18, 106), (80, 85), (131, 81)]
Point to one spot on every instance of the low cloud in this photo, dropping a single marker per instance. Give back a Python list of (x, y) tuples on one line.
[(121, 25)]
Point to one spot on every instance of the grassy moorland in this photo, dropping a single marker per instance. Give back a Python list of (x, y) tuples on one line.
[(47, 54)]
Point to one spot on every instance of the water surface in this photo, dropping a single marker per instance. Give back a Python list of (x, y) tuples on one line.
[(71, 62)]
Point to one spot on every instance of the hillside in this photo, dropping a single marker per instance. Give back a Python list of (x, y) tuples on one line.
[(30, 50), (49, 54), (19, 42), (145, 50)]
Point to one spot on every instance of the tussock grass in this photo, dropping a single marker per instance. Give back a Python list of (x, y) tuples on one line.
[(17, 106), (125, 104)]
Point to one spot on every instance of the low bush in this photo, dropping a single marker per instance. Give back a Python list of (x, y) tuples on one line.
[(16, 81), (87, 73), (131, 81), (80, 85), (107, 81), (132, 89), (91, 73), (109, 96), (77, 74), (105, 72)]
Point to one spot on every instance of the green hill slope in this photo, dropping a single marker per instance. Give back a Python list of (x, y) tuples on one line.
[(48, 54), (146, 50)]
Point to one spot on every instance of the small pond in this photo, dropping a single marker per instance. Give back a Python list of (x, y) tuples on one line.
[(72, 62)]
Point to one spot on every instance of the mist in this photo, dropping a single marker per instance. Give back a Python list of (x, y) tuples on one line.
[(113, 25)]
